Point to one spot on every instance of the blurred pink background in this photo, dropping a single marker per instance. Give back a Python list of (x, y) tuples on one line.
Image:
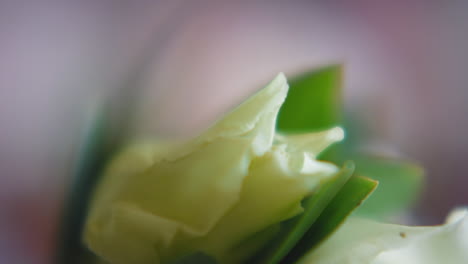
[(405, 65)]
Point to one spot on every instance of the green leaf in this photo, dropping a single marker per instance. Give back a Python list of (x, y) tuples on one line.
[(353, 193), (101, 137), (313, 101), (292, 230), (91, 156), (400, 185)]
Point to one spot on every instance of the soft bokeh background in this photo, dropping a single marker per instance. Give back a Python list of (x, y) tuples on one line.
[(405, 65)]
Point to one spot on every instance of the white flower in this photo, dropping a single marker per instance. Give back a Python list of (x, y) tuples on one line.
[(361, 241), (223, 193)]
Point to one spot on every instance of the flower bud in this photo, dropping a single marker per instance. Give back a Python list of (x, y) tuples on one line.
[(223, 193)]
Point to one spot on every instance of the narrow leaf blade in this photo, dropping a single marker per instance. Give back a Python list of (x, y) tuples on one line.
[(353, 193), (293, 230)]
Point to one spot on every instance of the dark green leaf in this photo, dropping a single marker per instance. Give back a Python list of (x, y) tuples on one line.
[(91, 156), (353, 193), (292, 230), (313, 101), (400, 185), (103, 133)]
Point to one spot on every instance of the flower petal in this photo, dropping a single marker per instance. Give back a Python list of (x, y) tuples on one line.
[(272, 192), (361, 241), (313, 143)]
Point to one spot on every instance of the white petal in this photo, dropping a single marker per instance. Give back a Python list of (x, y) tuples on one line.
[(313, 143), (361, 241), (255, 118)]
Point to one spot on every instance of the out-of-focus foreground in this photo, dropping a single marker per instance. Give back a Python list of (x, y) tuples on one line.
[(405, 75)]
